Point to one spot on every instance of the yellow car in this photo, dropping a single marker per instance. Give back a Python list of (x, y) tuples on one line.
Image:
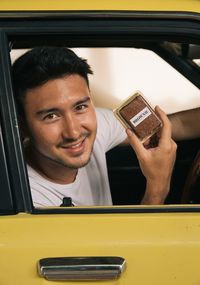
[(135, 42)]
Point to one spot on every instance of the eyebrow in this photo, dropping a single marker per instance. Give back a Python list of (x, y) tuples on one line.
[(51, 110), (46, 111), (84, 100)]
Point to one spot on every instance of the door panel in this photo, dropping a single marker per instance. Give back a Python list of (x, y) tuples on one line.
[(159, 248)]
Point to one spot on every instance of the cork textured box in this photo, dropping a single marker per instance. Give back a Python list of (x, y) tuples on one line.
[(137, 114)]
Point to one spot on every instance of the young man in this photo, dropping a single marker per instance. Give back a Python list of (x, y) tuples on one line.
[(67, 138)]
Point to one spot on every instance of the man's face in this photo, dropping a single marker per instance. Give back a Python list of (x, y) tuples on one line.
[(61, 121)]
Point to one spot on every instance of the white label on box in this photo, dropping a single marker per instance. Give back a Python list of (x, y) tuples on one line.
[(141, 116)]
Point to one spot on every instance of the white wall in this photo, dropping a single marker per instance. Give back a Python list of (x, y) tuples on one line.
[(119, 72)]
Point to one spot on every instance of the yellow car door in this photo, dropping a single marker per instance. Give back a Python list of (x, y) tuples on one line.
[(112, 248)]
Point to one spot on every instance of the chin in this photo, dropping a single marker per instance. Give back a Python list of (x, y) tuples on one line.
[(77, 162), (75, 165), (83, 162)]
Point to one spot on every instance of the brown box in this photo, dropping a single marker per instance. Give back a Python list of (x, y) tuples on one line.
[(137, 114)]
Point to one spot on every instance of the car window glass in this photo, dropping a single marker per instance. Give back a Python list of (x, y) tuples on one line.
[(194, 53)]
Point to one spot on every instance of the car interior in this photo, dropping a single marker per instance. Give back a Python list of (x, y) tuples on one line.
[(124, 170), (126, 180)]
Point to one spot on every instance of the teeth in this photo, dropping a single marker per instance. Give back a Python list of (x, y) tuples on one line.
[(76, 145), (73, 146)]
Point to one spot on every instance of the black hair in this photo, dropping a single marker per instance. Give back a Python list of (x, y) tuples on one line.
[(42, 64)]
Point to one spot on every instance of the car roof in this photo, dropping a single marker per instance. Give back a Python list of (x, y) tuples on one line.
[(103, 5)]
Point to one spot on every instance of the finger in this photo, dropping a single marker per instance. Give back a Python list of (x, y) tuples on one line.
[(135, 142), (147, 143), (166, 131)]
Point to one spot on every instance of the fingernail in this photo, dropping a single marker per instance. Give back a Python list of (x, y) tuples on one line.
[(129, 132)]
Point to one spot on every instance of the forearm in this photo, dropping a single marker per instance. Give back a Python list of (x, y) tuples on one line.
[(185, 125)]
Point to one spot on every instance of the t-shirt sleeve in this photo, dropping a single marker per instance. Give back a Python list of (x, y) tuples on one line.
[(109, 130)]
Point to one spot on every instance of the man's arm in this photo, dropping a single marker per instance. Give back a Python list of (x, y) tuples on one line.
[(185, 124), (156, 163)]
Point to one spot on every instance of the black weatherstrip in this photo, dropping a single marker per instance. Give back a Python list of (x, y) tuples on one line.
[(10, 131)]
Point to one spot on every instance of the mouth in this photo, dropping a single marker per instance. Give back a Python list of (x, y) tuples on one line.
[(75, 148)]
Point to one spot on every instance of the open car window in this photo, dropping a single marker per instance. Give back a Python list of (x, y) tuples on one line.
[(127, 54), (118, 73)]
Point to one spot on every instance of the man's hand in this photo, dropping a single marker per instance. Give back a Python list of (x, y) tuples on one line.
[(156, 162)]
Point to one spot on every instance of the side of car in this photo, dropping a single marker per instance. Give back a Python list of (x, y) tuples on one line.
[(158, 243)]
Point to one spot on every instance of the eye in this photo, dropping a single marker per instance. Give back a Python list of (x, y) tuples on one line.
[(51, 116), (81, 107)]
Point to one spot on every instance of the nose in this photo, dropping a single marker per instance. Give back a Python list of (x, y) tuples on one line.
[(71, 127)]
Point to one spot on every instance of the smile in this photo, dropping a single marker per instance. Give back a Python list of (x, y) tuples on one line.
[(76, 145), (73, 146), (77, 148)]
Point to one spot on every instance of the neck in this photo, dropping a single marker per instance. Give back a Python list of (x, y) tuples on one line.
[(50, 169)]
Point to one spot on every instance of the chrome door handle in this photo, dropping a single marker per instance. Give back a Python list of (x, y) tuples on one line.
[(81, 268)]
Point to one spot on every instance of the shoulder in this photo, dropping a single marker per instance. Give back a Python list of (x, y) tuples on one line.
[(104, 114), (109, 131)]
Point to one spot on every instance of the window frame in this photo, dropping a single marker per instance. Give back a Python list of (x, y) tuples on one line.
[(15, 167), (93, 29)]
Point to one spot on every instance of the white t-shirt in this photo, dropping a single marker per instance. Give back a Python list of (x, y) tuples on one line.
[(91, 186)]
